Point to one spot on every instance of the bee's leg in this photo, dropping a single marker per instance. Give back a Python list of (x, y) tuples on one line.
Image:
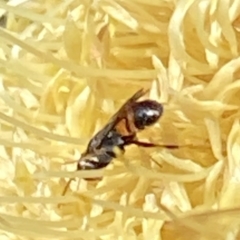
[(128, 140), (67, 186), (143, 144), (122, 148), (119, 150), (146, 144)]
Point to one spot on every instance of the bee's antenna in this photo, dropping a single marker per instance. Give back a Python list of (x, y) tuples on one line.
[(67, 186)]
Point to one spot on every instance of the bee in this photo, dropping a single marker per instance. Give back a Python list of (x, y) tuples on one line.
[(121, 131)]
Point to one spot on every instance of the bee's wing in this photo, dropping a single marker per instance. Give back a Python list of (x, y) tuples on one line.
[(115, 119)]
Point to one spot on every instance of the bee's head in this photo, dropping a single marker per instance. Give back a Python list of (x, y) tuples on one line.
[(147, 113), (95, 161)]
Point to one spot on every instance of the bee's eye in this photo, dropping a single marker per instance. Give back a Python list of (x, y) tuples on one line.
[(147, 113)]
